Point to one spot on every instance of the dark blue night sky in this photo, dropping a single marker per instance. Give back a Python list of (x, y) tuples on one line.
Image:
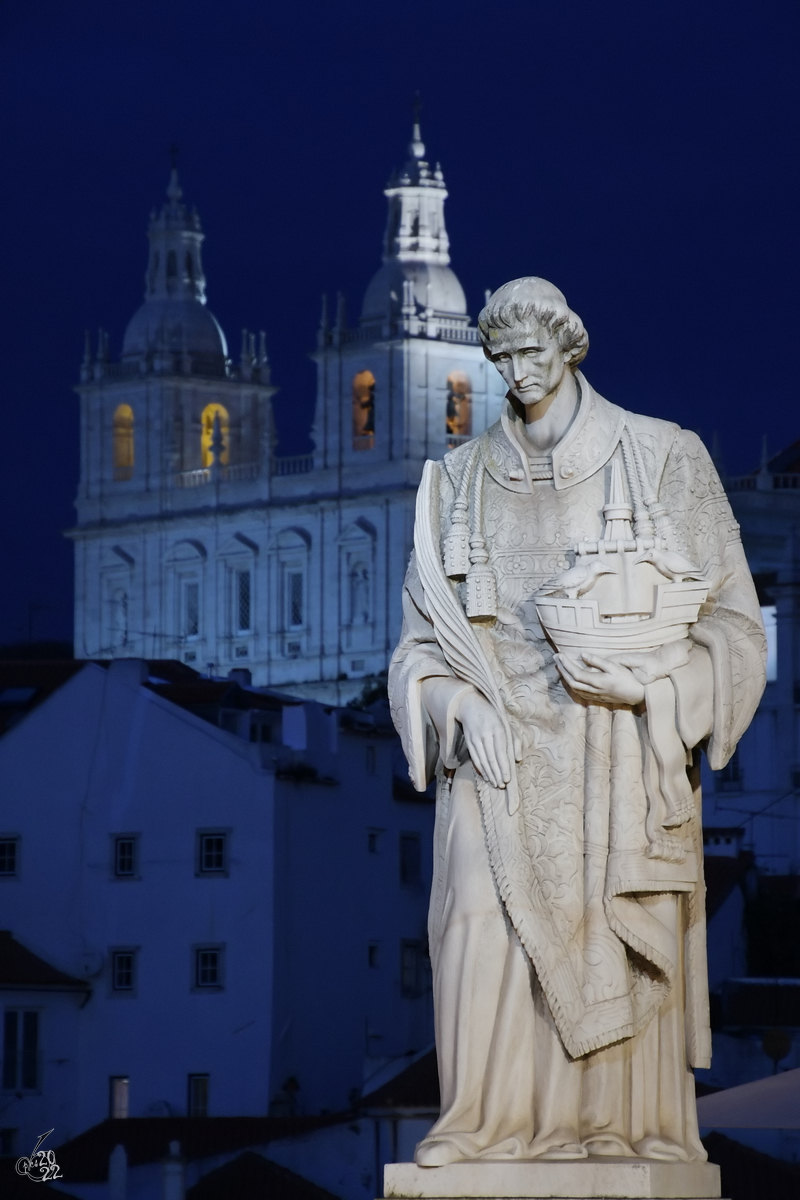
[(642, 156)]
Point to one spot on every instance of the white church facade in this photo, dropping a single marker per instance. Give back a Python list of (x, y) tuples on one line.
[(194, 541)]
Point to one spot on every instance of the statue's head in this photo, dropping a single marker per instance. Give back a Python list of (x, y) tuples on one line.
[(526, 308)]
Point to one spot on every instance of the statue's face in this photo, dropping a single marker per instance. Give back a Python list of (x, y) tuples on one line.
[(531, 362)]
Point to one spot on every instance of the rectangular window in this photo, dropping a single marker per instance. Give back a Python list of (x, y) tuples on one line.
[(372, 954), (410, 968), (20, 1050), (123, 970), (125, 857), (410, 859), (8, 1141), (243, 585), (208, 967), (295, 599), (372, 841), (191, 609), (371, 760), (198, 1096), (212, 856), (8, 856), (118, 1088)]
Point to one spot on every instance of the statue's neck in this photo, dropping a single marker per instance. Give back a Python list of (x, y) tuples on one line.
[(548, 421)]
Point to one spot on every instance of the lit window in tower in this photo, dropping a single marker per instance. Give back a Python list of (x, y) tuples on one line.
[(363, 410), (123, 442), (459, 407), (207, 434)]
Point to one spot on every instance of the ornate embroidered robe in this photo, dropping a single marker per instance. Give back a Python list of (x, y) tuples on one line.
[(568, 946)]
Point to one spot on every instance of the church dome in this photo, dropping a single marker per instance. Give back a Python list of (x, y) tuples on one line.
[(174, 318), (180, 324), (435, 286)]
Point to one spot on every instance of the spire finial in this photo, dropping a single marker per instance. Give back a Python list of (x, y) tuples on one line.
[(174, 191), (417, 146)]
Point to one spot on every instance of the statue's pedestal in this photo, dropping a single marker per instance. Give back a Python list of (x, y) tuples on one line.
[(584, 1179)]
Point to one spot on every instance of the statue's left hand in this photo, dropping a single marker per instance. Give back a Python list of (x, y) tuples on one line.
[(600, 680)]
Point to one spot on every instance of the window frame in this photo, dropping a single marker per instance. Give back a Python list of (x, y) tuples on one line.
[(123, 442), (186, 582), (112, 1113), (458, 383), (412, 990), (240, 572), (203, 872), (116, 953), (15, 840), (291, 572), (116, 839), (191, 1080), (363, 388), (374, 836), (217, 948), (19, 1059)]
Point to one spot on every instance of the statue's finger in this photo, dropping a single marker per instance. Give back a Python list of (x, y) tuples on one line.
[(501, 755), (495, 774)]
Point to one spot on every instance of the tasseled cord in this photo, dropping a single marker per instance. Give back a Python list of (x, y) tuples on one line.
[(657, 511), (456, 542), (464, 549), (481, 582)]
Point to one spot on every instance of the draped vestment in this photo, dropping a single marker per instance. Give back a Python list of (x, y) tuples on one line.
[(567, 944)]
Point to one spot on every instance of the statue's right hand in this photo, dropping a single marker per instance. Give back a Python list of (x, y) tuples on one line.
[(485, 738)]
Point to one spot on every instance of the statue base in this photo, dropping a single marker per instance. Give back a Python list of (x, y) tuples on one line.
[(582, 1179)]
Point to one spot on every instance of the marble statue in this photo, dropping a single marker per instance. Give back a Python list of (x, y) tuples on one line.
[(579, 623)]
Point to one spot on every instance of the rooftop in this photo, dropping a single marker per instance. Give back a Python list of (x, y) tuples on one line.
[(146, 1139), (22, 970)]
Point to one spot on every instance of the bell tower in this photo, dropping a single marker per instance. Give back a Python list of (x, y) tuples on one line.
[(172, 430), (410, 379)]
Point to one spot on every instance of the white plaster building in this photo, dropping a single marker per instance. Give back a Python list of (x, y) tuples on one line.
[(194, 541), (230, 908)]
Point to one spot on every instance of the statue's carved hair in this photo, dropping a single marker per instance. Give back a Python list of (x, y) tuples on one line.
[(532, 301)]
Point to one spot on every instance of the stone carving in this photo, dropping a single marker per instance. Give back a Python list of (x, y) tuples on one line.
[(579, 622)]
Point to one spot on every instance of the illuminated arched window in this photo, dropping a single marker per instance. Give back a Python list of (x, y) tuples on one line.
[(123, 442), (459, 405), (210, 412), (363, 410)]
